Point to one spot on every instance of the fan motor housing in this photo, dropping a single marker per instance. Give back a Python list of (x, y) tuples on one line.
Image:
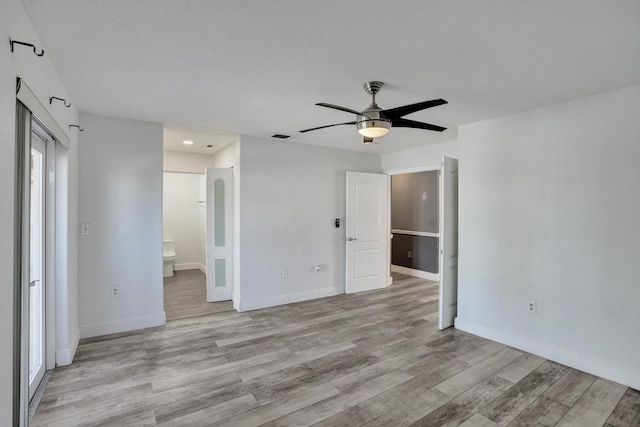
[(372, 123)]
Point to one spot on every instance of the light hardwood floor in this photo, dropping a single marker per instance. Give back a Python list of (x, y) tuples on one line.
[(185, 295), (370, 359)]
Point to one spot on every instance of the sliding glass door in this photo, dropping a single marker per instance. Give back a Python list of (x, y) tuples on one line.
[(37, 271)]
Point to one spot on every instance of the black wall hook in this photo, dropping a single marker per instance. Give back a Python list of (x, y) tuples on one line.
[(59, 99), (76, 126), (12, 42)]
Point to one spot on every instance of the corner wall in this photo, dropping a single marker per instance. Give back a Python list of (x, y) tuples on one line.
[(549, 209), (121, 199), (290, 195)]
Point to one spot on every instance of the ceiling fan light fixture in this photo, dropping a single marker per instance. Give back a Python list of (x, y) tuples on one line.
[(373, 128)]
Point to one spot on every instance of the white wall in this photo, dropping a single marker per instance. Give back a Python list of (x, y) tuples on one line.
[(549, 210), (290, 195), (419, 158), (180, 161), (121, 197), (181, 217), (39, 73)]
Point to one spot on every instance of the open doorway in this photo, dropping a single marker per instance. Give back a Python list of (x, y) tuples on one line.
[(424, 231), (185, 247), (415, 224)]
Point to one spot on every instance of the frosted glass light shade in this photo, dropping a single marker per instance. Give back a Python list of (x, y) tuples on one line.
[(373, 127), (373, 132)]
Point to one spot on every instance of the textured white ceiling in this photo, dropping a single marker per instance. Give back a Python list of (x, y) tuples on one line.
[(257, 67)]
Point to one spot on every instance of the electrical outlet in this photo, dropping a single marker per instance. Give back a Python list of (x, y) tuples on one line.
[(285, 274), (532, 307), (85, 228), (115, 292), (409, 254)]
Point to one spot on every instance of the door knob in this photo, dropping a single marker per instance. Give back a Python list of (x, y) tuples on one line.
[(349, 239), (33, 282)]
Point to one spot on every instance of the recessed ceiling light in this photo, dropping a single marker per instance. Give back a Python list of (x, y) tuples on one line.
[(188, 142)]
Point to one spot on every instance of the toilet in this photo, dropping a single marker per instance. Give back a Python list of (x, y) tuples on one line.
[(168, 257)]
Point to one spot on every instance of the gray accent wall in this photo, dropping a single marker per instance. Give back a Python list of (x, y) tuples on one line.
[(416, 252), (414, 201), (414, 207)]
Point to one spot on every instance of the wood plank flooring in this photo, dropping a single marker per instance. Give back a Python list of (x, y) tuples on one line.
[(185, 295), (370, 359)]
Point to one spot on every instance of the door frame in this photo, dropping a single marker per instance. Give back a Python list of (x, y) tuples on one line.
[(429, 168), (57, 225), (433, 167)]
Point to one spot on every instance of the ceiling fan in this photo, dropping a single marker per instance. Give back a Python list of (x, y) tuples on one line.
[(375, 122)]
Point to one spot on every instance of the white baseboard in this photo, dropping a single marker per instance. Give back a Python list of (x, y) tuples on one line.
[(415, 273), (288, 298), (122, 325), (557, 354), (65, 356), (187, 266)]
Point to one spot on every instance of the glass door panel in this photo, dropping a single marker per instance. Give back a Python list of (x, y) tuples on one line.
[(36, 264)]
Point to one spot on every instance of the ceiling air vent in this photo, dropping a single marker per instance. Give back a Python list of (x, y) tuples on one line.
[(280, 136)]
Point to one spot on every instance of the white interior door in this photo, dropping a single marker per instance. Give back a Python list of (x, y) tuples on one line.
[(448, 243), (36, 308), (367, 232), (219, 234)]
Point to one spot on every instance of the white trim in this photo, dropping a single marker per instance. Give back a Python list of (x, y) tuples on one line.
[(122, 325), (557, 354), (415, 273), (65, 356), (31, 101), (287, 299), (415, 233), (414, 170), (202, 268), (187, 266)]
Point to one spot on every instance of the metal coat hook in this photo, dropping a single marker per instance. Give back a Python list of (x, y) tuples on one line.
[(59, 99), (76, 126), (12, 42)]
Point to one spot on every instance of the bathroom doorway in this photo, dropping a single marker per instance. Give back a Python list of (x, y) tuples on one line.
[(185, 241)]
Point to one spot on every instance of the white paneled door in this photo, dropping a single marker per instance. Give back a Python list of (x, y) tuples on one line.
[(367, 232), (448, 243), (219, 234)]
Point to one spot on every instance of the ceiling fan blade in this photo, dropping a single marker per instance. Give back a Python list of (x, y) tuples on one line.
[(396, 113), (405, 123), (327, 126), (337, 107)]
